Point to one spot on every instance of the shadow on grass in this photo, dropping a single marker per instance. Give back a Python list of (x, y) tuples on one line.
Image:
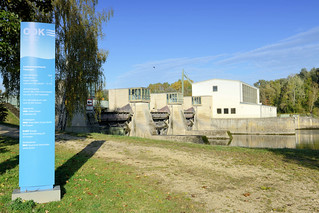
[(13, 161), (69, 168), (303, 157), (9, 125), (9, 164)]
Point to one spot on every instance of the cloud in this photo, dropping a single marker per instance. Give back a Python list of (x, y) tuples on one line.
[(272, 61), (168, 70), (295, 47)]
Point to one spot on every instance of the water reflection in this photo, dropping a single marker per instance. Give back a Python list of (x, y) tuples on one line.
[(307, 139), (303, 139)]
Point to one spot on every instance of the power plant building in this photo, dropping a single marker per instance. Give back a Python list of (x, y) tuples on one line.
[(232, 99)]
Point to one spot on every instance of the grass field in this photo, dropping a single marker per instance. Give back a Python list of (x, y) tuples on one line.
[(105, 173), (89, 185)]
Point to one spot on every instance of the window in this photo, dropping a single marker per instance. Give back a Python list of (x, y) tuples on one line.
[(225, 110), (139, 94), (219, 111), (215, 88), (196, 100), (233, 110), (249, 94)]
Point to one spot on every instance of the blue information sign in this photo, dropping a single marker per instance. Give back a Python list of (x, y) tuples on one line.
[(37, 106)]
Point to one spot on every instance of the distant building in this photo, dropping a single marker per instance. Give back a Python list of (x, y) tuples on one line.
[(232, 99)]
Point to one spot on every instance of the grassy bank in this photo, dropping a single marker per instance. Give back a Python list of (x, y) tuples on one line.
[(89, 184), (101, 173), (281, 160), (11, 119)]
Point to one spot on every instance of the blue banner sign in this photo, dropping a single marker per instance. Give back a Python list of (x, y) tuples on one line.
[(37, 106)]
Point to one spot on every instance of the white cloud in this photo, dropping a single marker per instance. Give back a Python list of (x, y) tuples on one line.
[(268, 62)]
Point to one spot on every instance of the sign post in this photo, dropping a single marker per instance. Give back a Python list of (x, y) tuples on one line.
[(37, 113)]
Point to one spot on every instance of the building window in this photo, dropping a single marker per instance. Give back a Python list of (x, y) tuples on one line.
[(215, 88), (219, 111), (249, 94), (233, 110), (196, 100), (225, 110)]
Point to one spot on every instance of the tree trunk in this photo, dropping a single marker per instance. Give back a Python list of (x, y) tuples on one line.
[(62, 115)]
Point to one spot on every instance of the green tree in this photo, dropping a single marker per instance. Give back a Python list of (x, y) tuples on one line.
[(78, 58), (11, 14), (177, 86), (160, 88)]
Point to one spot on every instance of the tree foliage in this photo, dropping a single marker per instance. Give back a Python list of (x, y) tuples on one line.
[(295, 94), (174, 87), (11, 14), (78, 58)]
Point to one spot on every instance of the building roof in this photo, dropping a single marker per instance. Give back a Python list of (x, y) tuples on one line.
[(225, 80)]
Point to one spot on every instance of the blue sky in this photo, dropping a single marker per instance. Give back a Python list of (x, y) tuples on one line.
[(245, 40)]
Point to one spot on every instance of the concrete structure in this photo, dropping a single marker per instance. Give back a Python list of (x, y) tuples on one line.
[(187, 104), (142, 124), (41, 196), (173, 102), (136, 101), (118, 98), (233, 99), (264, 125), (158, 101), (203, 112)]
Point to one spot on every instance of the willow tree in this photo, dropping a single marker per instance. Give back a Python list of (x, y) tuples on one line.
[(78, 58)]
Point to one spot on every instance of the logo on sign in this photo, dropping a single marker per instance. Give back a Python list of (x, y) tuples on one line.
[(38, 32)]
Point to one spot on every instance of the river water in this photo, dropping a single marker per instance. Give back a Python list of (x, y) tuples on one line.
[(303, 139)]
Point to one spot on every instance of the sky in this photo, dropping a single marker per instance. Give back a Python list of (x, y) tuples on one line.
[(247, 40)]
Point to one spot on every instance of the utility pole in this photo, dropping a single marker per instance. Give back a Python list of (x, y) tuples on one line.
[(187, 78)]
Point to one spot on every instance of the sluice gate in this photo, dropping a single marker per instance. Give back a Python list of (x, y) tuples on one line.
[(189, 115), (115, 123)]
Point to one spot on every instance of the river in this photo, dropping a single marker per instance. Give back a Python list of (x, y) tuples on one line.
[(303, 139)]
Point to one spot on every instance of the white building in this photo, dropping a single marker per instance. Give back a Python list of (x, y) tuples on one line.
[(233, 99)]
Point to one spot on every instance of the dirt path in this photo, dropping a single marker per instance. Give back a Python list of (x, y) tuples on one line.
[(211, 180), (9, 131)]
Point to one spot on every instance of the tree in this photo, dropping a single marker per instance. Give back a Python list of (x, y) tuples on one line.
[(174, 87), (11, 14), (160, 87), (78, 58), (177, 86)]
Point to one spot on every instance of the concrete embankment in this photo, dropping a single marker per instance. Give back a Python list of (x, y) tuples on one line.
[(265, 125), (216, 137)]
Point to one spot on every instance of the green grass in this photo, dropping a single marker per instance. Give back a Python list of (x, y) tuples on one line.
[(93, 184), (90, 184), (11, 120)]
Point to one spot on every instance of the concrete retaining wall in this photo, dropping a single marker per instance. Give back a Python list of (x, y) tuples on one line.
[(264, 125)]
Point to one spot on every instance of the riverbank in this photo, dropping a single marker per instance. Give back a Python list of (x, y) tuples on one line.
[(218, 177), (215, 178)]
